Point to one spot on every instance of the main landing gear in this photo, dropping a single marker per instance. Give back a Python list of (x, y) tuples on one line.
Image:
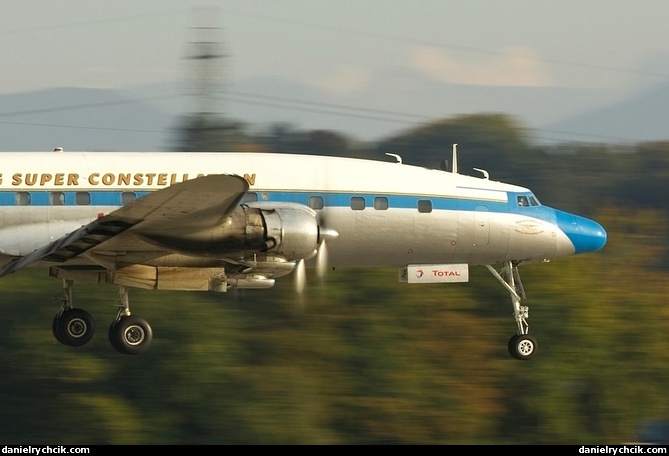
[(522, 345), (75, 327)]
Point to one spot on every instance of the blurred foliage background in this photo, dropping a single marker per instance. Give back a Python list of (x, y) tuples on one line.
[(365, 359)]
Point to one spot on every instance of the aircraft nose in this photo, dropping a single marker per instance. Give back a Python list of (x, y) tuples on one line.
[(586, 235)]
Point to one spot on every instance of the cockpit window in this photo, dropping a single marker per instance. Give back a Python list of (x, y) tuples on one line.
[(527, 200)]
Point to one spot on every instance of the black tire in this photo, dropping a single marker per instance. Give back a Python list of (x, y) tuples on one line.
[(54, 327), (512, 346), (524, 347), (113, 337), (130, 335), (73, 327)]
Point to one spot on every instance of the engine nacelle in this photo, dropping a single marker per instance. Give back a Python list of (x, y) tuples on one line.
[(291, 231), (281, 229)]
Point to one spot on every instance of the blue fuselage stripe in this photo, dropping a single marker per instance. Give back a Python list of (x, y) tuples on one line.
[(114, 198)]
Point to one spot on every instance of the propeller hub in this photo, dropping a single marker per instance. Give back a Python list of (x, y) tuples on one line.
[(327, 234)]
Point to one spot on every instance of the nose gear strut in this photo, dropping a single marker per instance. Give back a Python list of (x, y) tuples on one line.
[(522, 345)]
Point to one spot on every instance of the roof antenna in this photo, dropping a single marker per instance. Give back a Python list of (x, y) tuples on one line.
[(485, 173), (397, 157), (454, 168)]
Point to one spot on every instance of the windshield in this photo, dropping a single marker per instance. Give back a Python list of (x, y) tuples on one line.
[(527, 200)]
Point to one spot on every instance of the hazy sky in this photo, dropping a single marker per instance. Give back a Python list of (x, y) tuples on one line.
[(341, 45)]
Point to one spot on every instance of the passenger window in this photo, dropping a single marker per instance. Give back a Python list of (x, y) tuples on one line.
[(22, 198), (316, 202), (250, 197), (380, 203), (424, 206), (82, 198), (57, 198), (128, 197), (357, 203)]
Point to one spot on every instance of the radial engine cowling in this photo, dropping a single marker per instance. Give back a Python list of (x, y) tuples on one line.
[(291, 230)]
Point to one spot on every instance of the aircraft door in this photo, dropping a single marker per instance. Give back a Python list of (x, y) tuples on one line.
[(482, 228)]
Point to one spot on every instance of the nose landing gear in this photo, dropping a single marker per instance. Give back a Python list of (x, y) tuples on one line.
[(521, 345)]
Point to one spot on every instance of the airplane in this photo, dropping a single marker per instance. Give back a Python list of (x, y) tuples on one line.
[(216, 221)]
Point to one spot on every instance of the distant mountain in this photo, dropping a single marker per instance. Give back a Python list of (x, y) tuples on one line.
[(81, 119), (641, 117), (401, 99), (145, 118)]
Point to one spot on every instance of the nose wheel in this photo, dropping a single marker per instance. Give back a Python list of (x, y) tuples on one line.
[(522, 346)]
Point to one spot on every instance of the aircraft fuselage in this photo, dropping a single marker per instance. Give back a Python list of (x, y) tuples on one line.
[(386, 214)]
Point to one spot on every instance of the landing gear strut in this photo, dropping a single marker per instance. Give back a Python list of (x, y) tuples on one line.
[(75, 327), (522, 345)]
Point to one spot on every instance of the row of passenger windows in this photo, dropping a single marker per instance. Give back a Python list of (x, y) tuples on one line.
[(380, 203), (80, 198), (357, 203)]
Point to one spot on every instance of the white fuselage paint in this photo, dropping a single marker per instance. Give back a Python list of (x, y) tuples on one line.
[(473, 220)]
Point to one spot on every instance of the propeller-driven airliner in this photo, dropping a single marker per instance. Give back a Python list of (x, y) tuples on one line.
[(217, 221)]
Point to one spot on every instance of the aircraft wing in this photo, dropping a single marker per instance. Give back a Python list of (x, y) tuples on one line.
[(187, 206)]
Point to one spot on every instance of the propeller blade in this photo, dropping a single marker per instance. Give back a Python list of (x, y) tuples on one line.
[(322, 259), (321, 263), (300, 284), (300, 277)]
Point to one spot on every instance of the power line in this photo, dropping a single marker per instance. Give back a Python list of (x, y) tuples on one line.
[(242, 98), (86, 105), (70, 25), (82, 127), (323, 107), (455, 47), (401, 118)]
